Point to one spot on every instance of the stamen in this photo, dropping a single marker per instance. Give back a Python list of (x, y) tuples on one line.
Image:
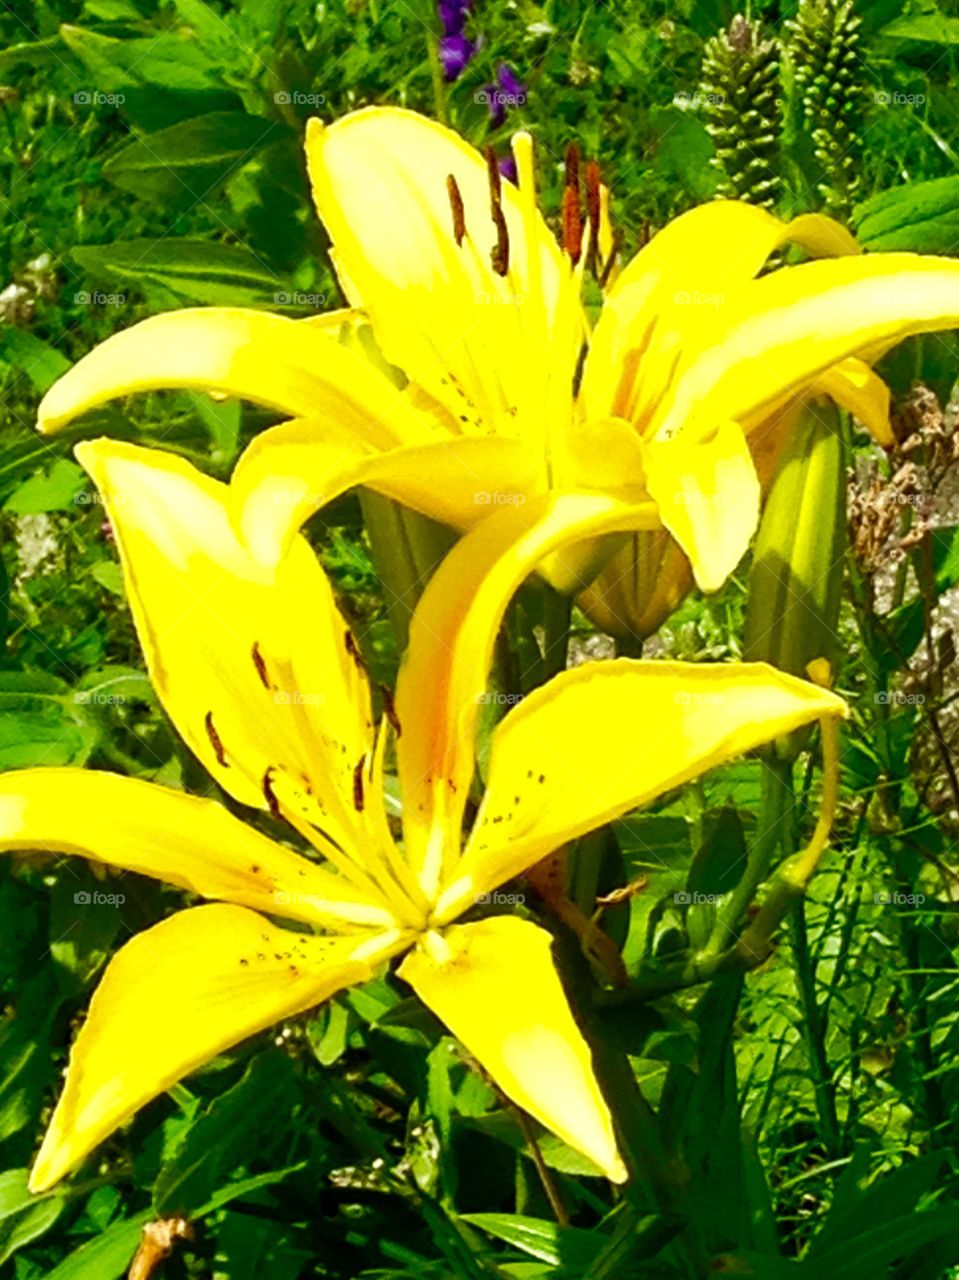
[(572, 210), (359, 798), (389, 708), (353, 651), (499, 254), (593, 213), (456, 206), (215, 740), (261, 670), (269, 794)]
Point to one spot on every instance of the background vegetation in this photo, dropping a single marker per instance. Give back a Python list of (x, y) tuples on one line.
[(150, 156)]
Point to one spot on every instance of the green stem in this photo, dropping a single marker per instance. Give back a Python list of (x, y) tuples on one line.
[(557, 610), (814, 1032), (436, 76), (772, 812)]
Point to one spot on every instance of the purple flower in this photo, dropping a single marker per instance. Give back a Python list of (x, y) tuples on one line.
[(507, 167), (456, 52), (509, 91), (452, 15), (511, 84)]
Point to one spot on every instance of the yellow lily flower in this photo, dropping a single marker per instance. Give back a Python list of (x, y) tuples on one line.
[(471, 393), (259, 672)]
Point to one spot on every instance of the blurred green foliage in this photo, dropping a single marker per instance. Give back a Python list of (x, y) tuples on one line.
[(150, 156)]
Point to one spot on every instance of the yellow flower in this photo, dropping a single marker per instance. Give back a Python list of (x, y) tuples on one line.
[(483, 370), (261, 675)]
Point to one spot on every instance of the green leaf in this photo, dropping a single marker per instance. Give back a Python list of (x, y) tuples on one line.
[(108, 1256), (194, 270), (922, 217), (192, 157), (547, 1241), (23, 1217), (932, 28), (52, 490), (224, 1137), (41, 363)]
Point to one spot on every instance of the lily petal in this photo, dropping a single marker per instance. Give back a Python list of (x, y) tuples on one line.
[(495, 986), (495, 347), (708, 497), (254, 666), (290, 471), (856, 388), (444, 673), (183, 840), (780, 333), (652, 726), (673, 283), (175, 997), (298, 369)]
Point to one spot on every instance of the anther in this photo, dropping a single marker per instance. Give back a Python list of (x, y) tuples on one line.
[(593, 213), (456, 207), (269, 794), (260, 663), (390, 708), (359, 799), (572, 211), (499, 254), (215, 740)]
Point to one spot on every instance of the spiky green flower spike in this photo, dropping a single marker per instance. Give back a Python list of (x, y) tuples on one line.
[(823, 51), (740, 89)]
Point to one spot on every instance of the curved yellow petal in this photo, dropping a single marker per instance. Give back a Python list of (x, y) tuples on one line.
[(856, 388), (497, 347), (175, 997), (779, 334), (708, 498), (298, 369), (254, 664), (605, 737), (290, 471), (190, 842), (676, 282), (444, 673), (495, 986)]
